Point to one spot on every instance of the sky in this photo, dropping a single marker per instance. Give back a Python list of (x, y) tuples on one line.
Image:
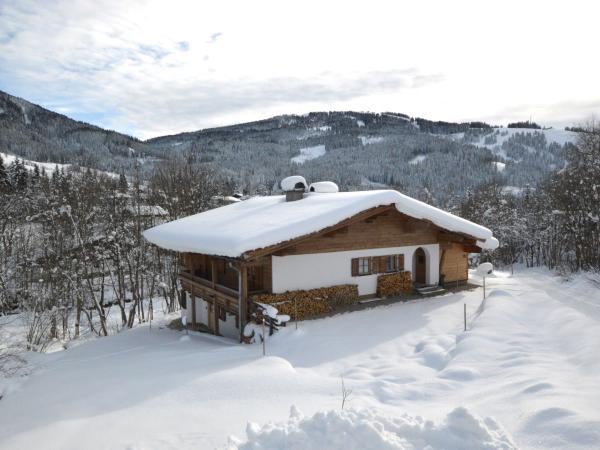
[(150, 67)]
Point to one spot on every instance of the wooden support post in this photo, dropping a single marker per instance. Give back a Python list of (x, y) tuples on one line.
[(193, 299), (213, 272), (243, 313), (484, 287), (216, 315)]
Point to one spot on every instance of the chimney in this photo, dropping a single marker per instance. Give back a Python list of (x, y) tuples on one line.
[(294, 188)]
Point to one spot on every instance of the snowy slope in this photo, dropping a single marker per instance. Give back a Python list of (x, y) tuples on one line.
[(502, 135), (524, 372), (49, 167), (308, 153), (29, 165)]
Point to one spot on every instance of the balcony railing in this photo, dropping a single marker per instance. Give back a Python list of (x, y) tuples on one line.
[(194, 279)]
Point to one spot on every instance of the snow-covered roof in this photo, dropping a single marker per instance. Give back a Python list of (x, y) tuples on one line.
[(260, 222)]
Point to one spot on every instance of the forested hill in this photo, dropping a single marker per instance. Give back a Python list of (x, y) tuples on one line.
[(438, 162), (434, 161), (37, 134)]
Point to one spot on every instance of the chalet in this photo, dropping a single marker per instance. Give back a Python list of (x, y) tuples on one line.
[(316, 244)]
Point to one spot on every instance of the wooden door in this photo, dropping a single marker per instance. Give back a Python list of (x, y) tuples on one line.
[(420, 266)]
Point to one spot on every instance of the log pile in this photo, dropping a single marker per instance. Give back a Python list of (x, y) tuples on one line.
[(311, 302), (394, 284)]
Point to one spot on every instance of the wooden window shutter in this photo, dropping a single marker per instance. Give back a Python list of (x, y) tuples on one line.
[(375, 264), (354, 267), (400, 263)]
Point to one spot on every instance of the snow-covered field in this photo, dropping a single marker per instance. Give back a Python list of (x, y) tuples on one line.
[(524, 375), (368, 140), (48, 167), (502, 135), (418, 159), (309, 153), (29, 165)]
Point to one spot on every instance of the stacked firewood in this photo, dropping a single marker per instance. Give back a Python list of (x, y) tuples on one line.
[(305, 304), (394, 284)]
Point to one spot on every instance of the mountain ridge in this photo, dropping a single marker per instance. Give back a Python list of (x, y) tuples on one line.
[(435, 161)]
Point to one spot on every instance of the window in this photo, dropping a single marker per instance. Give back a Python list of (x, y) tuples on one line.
[(390, 263), (222, 314), (364, 266), (377, 264), (361, 266)]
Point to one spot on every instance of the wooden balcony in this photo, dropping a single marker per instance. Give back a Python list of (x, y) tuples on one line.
[(218, 294)]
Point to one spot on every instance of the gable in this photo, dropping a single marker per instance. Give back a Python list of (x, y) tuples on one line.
[(388, 228)]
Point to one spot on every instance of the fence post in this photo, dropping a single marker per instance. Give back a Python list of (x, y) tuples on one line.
[(465, 316), (264, 338), (484, 287)]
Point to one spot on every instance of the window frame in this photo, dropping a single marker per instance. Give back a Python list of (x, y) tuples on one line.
[(361, 265), (394, 266)]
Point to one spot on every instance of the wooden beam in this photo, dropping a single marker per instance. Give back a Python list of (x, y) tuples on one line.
[(472, 249)]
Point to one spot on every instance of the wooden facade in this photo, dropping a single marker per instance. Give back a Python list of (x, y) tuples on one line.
[(226, 283)]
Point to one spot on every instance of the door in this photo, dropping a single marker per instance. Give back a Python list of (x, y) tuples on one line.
[(420, 266)]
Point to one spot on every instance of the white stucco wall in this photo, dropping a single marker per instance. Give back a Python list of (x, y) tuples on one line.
[(329, 269), (227, 327), (201, 311)]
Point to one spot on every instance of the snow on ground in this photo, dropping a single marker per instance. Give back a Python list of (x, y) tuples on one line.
[(418, 159), (372, 184), (367, 429), (512, 190), (29, 165), (502, 135), (525, 372), (309, 153), (499, 166), (49, 167), (368, 140)]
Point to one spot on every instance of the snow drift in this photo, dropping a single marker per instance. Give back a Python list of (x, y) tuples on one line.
[(369, 429)]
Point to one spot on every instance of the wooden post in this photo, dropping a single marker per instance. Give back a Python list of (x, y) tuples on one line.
[(244, 306), (216, 315), (465, 316), (484, 287), (193, 299), (296, 311), (264, 338), (213, 272)]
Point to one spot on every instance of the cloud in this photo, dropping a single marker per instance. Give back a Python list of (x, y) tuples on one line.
[(214, 37), (148, 67), (560, 114), (187, 105)]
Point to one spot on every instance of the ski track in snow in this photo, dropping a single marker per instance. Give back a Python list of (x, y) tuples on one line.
[(528, 360)]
